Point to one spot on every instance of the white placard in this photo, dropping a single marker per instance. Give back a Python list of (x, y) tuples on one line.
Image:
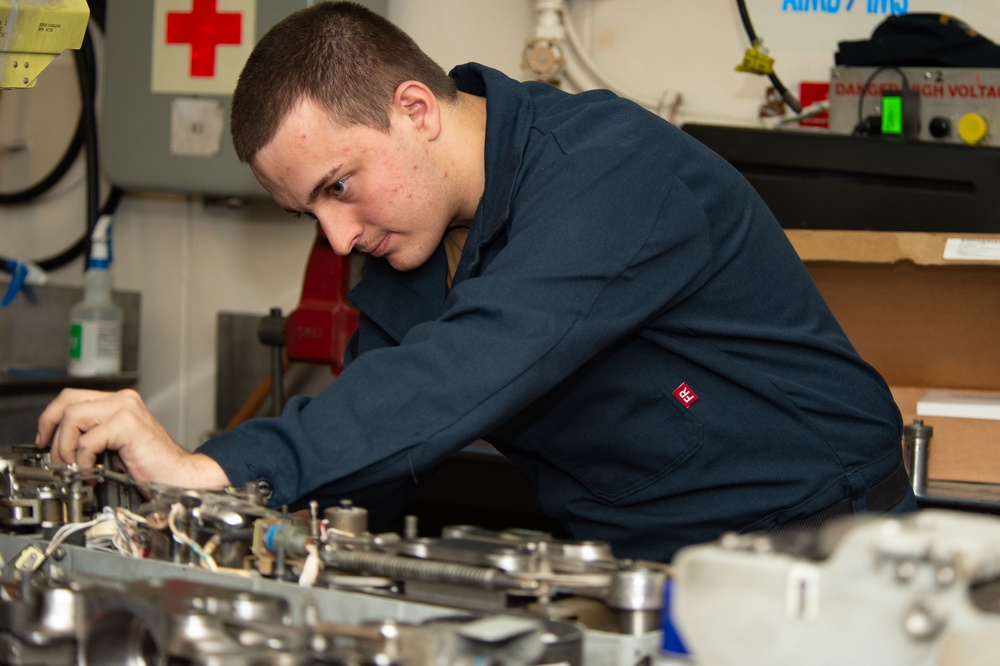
[(195, 127), (960, 405), (972, 249)]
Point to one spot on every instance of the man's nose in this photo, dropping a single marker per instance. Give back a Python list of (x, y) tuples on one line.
[(341, 229)]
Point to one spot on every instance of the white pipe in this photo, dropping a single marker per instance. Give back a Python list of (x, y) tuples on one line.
[(552, 21), (548, 22)]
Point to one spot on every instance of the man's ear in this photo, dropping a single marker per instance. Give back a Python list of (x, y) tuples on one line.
[(416, 103)]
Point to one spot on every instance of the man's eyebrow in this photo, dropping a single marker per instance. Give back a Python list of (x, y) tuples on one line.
[(322, 183)]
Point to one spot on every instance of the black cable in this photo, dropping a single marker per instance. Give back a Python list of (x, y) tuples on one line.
[(72, 151), (86, 65), (87, 128), (755, 41), (54, 176), (98, 12)]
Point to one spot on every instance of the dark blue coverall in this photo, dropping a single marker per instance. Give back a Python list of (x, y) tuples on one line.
[(628, 324)]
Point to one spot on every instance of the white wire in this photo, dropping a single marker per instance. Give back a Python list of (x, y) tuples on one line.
[(68, 529), (119, 532), (178, 535), (97, 537), (311, 567)]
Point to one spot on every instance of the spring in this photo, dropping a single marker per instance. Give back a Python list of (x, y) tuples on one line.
[(407, 568)]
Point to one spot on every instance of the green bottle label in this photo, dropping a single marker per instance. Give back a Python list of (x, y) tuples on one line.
[(75, 335)]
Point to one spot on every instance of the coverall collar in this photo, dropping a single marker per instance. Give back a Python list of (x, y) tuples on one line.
[(508, 119)]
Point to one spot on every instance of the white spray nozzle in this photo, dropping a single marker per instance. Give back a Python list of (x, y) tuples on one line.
[(100, 243)]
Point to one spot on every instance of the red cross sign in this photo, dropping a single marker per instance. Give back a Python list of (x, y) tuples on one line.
[(204, 28), (199, 46)]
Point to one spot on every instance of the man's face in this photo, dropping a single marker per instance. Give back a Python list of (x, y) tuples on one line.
[(372, 192)]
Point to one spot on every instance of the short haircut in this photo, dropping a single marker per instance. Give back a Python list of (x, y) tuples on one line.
[(342, 56)]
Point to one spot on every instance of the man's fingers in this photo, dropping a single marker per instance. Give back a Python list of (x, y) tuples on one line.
[(81, 425), (56, 453), (90, 445), (52, 416), (90, 423)]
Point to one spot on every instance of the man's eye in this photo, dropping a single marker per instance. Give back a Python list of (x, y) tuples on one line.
[(339, 188)]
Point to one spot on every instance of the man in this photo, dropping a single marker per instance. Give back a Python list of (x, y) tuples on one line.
[(566, 276)]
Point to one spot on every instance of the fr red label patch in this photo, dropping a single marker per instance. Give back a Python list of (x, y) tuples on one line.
[(685, 395)]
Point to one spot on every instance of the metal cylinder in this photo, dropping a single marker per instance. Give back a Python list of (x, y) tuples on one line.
[(638, 588), (51, 512), (288, 539), (271, 332), (563, 643), (916, 447), (637, 596), (347, 519)]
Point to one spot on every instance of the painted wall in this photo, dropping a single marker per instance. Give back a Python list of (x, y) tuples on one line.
[(191, 261)]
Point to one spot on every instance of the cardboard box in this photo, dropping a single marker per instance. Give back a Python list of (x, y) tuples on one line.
[(926, 322)]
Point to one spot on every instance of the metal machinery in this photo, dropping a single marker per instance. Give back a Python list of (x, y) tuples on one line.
[(924, 589), (101, 569), (216, 578)]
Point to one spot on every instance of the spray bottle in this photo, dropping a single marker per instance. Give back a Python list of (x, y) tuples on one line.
[(95, 331)]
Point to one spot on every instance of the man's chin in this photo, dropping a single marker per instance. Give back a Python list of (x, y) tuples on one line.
[(399, 265), (404, 264)]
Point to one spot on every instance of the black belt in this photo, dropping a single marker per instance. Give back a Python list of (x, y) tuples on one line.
[(881, 497)]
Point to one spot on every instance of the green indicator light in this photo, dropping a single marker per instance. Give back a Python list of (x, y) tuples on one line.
[(892, 114)]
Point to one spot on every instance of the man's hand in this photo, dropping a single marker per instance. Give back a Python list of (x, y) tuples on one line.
[(81, 424)]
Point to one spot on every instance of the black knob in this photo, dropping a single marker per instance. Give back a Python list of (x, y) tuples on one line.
[(939, 127)]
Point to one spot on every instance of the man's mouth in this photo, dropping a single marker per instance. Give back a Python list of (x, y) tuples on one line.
[(382, 246)]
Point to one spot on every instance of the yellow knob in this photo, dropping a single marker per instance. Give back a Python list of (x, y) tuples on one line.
[(972, 128)]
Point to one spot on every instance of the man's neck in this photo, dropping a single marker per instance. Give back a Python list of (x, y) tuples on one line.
[(467, 121)]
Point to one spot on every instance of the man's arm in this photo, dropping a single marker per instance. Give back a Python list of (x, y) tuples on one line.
[(80, 424)]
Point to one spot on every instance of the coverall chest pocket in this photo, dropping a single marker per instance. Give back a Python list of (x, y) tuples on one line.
[(615, 426)]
